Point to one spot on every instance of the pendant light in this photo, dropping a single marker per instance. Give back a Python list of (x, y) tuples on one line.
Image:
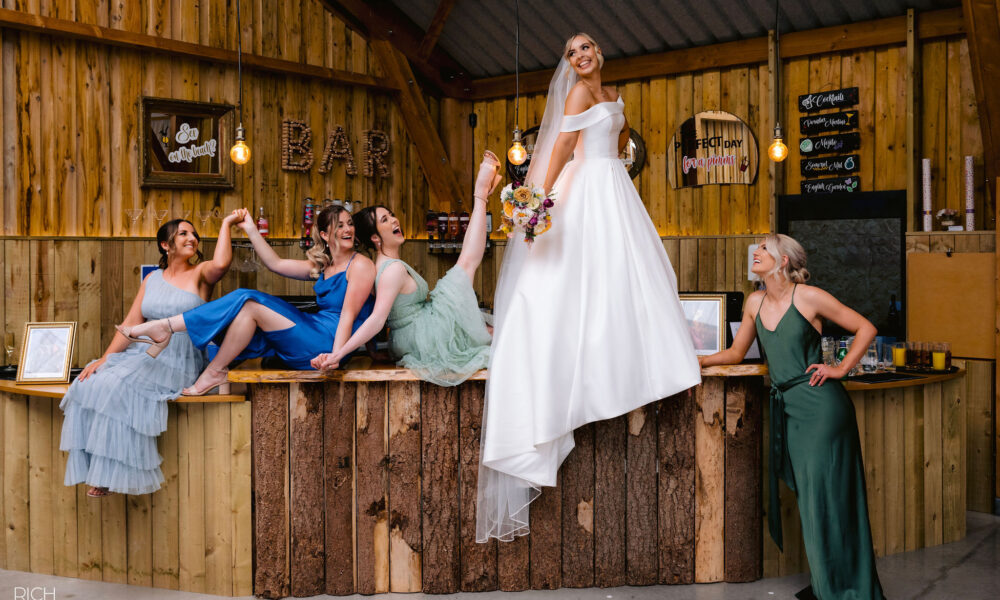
[(240, 152), (777, 151), (517, 154)]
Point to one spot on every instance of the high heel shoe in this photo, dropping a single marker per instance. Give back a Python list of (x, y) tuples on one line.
[(481, 190), (220, 381), (154, 347)]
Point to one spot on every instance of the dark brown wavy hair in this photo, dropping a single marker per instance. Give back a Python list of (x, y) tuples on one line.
[(365, 226), (167, 232)]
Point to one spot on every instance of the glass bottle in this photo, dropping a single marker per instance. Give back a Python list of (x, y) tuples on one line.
[(262, 225)]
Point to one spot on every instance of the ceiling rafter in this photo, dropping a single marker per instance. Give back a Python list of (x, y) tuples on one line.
[(380, 19), (435, 28)]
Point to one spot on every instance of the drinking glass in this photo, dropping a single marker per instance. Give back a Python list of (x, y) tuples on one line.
[(886, 359), (869, 362), (937, 357), (204, 216), (899, 355), (134, 214)]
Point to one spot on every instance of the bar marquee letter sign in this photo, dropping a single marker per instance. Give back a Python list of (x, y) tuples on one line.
[(184, 144)]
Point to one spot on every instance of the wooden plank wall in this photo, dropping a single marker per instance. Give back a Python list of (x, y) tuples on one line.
[(912, 442), (193, 534), (656, 107), (70, 118), (400, 479), (93, 281)]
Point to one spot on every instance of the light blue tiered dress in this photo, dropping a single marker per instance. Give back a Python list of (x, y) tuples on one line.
[(114, 416), (442, 338)]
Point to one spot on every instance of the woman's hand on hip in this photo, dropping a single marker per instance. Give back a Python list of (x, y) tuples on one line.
[(821, 372)]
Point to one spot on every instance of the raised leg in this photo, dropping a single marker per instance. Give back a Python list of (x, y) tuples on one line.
[(475, 236)]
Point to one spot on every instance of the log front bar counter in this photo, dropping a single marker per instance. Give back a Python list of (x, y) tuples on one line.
[(365, 482)]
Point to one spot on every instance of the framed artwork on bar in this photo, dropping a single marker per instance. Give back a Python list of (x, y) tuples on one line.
[(706, 318), (185, 144), (47, 352)]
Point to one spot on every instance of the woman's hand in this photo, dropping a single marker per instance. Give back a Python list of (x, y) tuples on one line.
[(91, 368), (235, 217), (823, 372), (327, 361), (246, 223)]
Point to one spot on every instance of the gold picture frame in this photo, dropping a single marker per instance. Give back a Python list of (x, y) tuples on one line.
[(46, 352), (706, 318)]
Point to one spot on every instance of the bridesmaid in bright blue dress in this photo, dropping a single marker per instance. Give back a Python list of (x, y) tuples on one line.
[(249, 324), (442, 337), (117, 407)]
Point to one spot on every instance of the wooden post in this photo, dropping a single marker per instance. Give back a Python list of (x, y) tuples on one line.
[(306, 499), (609, 502), (641, 527), (270, 439), (479, 561), (677, 492), (372, 489), (745, 399), (912, 104), (578, 511), (404, 487), (439, 423), (339, 461)]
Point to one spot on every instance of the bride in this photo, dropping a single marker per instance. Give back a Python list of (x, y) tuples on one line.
[(588, 323)]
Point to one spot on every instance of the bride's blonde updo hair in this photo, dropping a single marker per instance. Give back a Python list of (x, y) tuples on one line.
[(589, 38), (778, 245)]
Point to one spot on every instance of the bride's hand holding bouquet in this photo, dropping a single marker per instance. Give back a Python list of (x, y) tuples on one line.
[(526, 206)]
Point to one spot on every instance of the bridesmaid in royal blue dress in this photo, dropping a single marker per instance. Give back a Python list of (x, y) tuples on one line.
[(249, 324)]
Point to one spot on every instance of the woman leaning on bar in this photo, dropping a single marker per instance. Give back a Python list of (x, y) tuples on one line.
[(117, 407), (814, 444)]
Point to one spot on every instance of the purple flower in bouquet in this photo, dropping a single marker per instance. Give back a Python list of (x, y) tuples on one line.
[(548, 203), (533, 221)]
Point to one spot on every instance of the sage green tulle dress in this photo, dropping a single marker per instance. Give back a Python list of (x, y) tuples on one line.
[(441, 337), (815, 449)]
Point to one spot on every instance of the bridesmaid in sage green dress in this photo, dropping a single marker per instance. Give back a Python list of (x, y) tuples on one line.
[(814, 445), (442, 336)]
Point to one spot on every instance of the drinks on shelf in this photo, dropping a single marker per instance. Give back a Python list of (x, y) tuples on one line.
[(262, 225), (308, 211), (463, 225)]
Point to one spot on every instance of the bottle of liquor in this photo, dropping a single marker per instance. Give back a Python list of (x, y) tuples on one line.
[(307, 224), (463, 224), (893, 321), (442, 231), (262, 223)]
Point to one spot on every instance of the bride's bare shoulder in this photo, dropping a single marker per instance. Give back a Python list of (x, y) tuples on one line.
[(579, 99)]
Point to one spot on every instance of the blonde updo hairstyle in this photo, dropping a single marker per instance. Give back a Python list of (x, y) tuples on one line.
[(319, 255), (779, 245), (589, 38)]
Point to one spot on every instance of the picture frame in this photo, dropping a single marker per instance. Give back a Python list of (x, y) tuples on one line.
[(46, 352), (706, 318), (185, 144)]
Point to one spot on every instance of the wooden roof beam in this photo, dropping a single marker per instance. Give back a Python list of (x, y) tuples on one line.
[(435, 28), (866, 34), (982, 25), (441, 179), (21, 21), (380, 19)]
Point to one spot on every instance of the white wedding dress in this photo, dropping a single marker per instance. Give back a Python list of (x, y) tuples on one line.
[(589, 326)]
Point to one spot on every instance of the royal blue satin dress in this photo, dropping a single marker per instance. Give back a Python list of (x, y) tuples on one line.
[(312, 334)]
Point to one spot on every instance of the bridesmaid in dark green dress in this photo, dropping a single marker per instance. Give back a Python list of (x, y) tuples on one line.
[(814, 433)]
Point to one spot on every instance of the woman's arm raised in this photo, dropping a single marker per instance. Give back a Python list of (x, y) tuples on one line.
[(287, 267), (360, 281), (389, 285), (213, 270)]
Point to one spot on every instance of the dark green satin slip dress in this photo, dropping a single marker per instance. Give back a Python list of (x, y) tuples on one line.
[(815, 449)]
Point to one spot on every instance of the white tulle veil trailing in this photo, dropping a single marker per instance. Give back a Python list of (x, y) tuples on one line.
[(503, 499)]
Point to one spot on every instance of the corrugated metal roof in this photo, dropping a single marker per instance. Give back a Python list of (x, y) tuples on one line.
[(479, 34)]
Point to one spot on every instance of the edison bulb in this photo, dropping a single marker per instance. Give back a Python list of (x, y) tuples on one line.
[(240, 152), (778, 151), (517, 154)]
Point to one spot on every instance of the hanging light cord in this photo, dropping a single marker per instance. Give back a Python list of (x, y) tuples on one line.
[(777, 64), (517, 60), (239, 58)]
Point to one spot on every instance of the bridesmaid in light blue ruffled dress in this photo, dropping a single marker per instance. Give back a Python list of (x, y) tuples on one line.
[(117, 407), (442, 337)]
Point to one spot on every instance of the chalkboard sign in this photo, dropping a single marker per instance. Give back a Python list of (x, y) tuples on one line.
[(828, 122), (830, 186), (823, 100), (831, 165), (829, 144)]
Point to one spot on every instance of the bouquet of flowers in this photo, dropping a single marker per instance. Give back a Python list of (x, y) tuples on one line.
[(527, 207)]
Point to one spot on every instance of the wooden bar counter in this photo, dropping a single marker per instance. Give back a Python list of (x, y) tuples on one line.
[(365, 482)]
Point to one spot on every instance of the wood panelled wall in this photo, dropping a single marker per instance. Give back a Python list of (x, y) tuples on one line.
[(70, 115), (948, 130)]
